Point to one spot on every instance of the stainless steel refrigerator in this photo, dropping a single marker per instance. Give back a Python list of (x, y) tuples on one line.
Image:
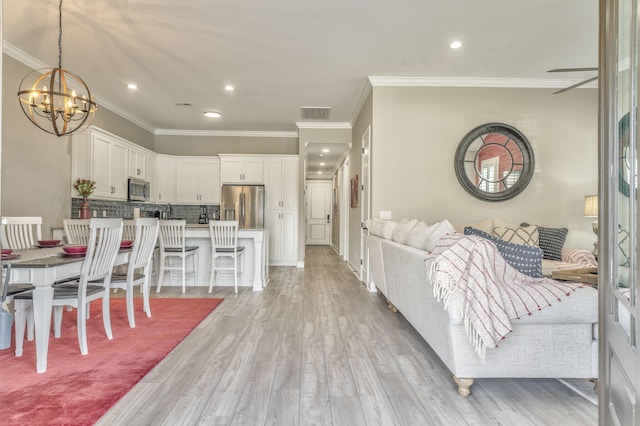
[(244, 203)]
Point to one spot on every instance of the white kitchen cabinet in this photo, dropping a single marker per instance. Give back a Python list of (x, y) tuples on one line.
[(198, 180), (166, 179), (242, 169), (138, 164), (281, 208), (102, 157), (283, 237), (281, 182), (152, 177)]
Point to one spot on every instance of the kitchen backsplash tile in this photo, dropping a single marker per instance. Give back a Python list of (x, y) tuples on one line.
[(124, 209)]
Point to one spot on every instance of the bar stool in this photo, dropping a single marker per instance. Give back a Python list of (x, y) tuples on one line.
[(172, 244), (224, 243)]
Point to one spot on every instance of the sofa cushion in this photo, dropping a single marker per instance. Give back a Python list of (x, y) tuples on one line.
[(440, 229), (402, 230), (516, 234), (526, 259), (551, 241)]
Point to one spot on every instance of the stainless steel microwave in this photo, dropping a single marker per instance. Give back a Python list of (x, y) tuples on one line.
[(139, 190)]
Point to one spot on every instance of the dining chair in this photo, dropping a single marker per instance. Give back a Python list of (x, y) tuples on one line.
[(103, 245), (224, 243), (76, 231), (128, 230), (172, 244), (20, 233), (139, 267), (6, 295)]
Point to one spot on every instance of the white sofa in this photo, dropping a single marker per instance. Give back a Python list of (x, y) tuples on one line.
[(558, 341)]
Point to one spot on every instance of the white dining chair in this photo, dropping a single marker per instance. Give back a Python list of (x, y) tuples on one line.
[(9, 290), (20, 233), (76, 230), (172, 236), (224, 243), (105, 236), (139, 267)]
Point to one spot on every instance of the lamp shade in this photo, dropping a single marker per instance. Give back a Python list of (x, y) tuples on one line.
[(591, 206)]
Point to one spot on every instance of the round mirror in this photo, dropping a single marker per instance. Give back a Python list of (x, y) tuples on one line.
[(494, 162)]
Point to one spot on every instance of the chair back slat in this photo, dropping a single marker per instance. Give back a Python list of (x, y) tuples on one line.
[(77, 231), (19, 233), (129, 230), (144, 242), (172, 234), (224, 234)]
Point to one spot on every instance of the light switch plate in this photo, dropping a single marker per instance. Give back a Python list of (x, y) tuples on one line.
[(385, 215)]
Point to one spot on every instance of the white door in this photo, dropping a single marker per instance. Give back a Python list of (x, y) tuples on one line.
[(318, 213), (365, 208), (619, 361)]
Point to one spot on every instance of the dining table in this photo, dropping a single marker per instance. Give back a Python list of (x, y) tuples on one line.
[(42, 267)]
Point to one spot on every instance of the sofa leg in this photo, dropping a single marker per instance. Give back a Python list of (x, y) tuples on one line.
[(464, 385), (391, 306)]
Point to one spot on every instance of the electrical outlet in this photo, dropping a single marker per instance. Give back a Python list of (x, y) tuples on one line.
[(385, 215)]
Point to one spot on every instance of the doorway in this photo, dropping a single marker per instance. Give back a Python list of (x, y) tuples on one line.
[(318, 213)]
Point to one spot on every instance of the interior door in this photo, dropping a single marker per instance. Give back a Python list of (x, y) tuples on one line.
[(318, 213), (618, 275), (365, 208)]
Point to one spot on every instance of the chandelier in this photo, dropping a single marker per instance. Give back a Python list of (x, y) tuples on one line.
[(63, 104)]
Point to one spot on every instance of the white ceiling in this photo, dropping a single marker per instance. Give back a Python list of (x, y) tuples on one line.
[(284, 54)]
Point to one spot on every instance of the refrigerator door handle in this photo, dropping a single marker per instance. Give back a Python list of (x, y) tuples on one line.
[(242, 200)]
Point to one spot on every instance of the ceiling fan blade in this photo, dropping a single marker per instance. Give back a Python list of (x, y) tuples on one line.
[(576, 85), (572, 69)]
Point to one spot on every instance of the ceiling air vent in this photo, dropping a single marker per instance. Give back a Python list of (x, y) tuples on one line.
[(182, 104), (315, 113)]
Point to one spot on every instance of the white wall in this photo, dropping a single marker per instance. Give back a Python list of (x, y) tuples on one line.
[(416, 131)]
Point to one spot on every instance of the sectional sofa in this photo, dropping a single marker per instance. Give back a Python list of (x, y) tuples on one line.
[(559, 341)]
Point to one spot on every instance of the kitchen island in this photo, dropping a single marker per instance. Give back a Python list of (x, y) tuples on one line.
[(256, 264)]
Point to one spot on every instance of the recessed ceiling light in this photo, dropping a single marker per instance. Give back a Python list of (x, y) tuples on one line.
[(132, 86), (325, 150), (319, 173), (229, 88), (456, 45), (212, 114), (322, 164), (321, 155)]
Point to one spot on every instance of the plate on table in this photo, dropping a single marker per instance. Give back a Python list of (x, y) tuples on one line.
[(48, 243), (10, 256), (125, 244), (6, 252), (73, 249)]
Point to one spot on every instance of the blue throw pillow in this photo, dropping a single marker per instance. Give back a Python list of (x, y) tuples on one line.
[(526, 259)]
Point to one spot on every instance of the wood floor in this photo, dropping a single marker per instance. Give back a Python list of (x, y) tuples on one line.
[(316, 348)]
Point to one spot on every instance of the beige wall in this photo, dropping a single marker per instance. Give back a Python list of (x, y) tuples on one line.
[(417, 130), (214, 145), (36, 166)]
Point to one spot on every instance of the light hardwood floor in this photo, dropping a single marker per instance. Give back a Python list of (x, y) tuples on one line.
[(316, 348)]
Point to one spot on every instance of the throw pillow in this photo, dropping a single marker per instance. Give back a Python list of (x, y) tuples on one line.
[(419, 236), (551, 241), (440, 229), (516, 234), (526, 259), (485, 225), (375, 226), (623, 246), (388, 228), (403, 229)]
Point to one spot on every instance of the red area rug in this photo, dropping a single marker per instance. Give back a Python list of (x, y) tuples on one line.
[(78, 390)]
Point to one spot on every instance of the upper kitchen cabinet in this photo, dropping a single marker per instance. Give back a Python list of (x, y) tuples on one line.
[(166, 179), (138, 164), (281, 182), (102, 157), (198, 180), (241, 169)]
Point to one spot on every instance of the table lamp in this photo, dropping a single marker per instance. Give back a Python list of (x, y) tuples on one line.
[(591, 210)]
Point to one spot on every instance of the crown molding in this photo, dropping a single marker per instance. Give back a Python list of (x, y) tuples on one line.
[(227, 133), (36, 64), (323, 125), (474, 82), (364, 94)]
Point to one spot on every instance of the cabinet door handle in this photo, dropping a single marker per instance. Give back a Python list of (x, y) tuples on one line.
[(159, 196)]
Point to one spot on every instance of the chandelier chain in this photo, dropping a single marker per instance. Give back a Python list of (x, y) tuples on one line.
[(60, 35)]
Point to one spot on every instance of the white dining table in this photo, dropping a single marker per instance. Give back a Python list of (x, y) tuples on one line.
[(42, 267)]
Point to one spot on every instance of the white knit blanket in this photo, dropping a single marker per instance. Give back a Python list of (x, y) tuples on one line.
[(493, 291)]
